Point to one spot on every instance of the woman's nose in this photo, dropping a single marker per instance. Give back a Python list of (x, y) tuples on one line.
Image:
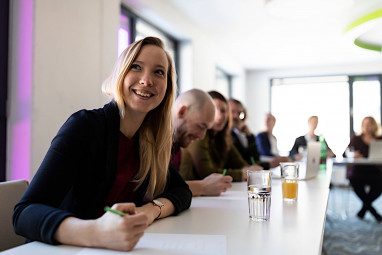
[(146, 79)]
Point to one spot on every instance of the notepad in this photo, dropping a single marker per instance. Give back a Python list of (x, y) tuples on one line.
[(171, 244)]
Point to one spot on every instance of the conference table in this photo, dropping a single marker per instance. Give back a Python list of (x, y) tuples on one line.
[(220, 225)]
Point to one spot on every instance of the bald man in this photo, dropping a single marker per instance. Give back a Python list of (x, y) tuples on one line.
[(193, 113)]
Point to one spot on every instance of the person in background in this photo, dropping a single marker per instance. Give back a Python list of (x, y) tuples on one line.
[(302, 141), (267, 143), (115, 156), (193, 113), (216, 151), (242, 137), (361, 176)]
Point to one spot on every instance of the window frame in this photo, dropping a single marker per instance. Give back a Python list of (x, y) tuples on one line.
[(4, 48)]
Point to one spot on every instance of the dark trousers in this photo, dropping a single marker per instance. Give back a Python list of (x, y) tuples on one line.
[(359, 181)]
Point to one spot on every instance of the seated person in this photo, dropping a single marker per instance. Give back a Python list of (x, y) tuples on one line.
[(267, 143), (105, 157), (361, 176), (216, 151), (302, 141), (193, 113), (242, 137)]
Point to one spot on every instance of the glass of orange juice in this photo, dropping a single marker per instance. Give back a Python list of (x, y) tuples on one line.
[(289, 180)]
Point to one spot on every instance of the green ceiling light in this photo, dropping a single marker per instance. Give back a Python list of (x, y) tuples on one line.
[(365, 30)]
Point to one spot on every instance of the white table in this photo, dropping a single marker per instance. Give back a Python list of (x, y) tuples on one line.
[(294, 227), (355, 161)]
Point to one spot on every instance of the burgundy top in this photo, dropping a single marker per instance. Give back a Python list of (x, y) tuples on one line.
[(128, 165), (176, 156)]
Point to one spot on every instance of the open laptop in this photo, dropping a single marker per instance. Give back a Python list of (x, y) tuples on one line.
[(375, 150), (308, 168)]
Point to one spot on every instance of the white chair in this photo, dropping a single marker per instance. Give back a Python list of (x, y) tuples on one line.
[(10, 194)]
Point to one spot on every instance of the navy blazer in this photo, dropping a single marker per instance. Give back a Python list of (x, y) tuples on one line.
[(263, 144), (77, 174)]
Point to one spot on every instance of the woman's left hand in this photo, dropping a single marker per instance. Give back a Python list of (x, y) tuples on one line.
[(150, 211)]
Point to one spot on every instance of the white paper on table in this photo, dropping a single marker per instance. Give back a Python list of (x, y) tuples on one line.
[(229, 195), (171, 244)]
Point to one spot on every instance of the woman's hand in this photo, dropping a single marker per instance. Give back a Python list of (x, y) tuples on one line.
[(252, 167), (152, 211), (121, 233), (110, 231), (357, 154)]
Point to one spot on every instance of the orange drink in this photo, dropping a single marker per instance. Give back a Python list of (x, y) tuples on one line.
[(290, 189)]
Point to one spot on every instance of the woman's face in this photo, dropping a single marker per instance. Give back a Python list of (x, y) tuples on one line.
[(367, 127), (221, 116), (269, 122), (145, 83)]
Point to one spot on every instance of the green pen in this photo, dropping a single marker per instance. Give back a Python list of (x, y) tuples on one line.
[(224, 171), (108, 209), (253, 161)]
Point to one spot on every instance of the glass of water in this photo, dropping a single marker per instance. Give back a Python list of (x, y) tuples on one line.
[(259, 194)]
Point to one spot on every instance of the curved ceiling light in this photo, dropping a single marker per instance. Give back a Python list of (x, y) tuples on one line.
[(366, 32)]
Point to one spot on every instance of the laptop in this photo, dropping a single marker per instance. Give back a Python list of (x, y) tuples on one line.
[(308, 168), (375, 150)]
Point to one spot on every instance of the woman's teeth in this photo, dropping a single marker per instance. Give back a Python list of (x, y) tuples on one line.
[(142, 94)]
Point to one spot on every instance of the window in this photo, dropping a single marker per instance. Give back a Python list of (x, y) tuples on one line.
[(295, 100), (223, 82), (340, 102), (366, 101)]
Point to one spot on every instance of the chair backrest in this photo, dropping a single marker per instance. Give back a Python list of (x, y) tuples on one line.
[(10, 194)]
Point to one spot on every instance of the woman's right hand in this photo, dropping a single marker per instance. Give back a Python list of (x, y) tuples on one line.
[(121, 233), (110, 231)]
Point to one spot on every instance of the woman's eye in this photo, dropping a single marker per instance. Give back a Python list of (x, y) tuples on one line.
[(160, 72), (135, 66)]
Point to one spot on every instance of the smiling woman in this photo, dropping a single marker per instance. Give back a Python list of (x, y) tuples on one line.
[(116, 156)]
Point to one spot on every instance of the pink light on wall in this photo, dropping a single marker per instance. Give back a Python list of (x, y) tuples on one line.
[(123, 33), (21, 150), (20, 128), (123, 39)]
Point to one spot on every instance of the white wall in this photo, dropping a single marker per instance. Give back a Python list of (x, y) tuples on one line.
[(258, 85), (74, 48)]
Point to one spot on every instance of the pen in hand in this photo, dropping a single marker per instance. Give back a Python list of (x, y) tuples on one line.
[(224, 171), (253, 161), (108, 209)]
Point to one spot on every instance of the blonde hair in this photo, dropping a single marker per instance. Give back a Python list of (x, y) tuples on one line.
[(374, 124), (155, 133)]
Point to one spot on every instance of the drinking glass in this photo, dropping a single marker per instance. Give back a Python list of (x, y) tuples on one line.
[(259, 194), (289, 180)]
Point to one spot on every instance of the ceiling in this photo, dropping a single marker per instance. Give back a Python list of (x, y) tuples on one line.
[(273, 34)]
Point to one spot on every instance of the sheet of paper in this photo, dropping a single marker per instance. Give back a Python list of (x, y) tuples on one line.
[(229, 195), (171, 244)]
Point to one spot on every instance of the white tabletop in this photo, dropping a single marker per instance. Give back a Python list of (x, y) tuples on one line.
[(355, 161), (293, 228)]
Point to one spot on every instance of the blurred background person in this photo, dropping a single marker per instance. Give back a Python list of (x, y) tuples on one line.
[(216, 151), (301, 142), (243, 139), (361, 176), (193, 113), (267, 143)]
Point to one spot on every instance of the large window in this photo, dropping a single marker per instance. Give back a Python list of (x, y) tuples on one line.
[(366, 100), (340, 102)]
